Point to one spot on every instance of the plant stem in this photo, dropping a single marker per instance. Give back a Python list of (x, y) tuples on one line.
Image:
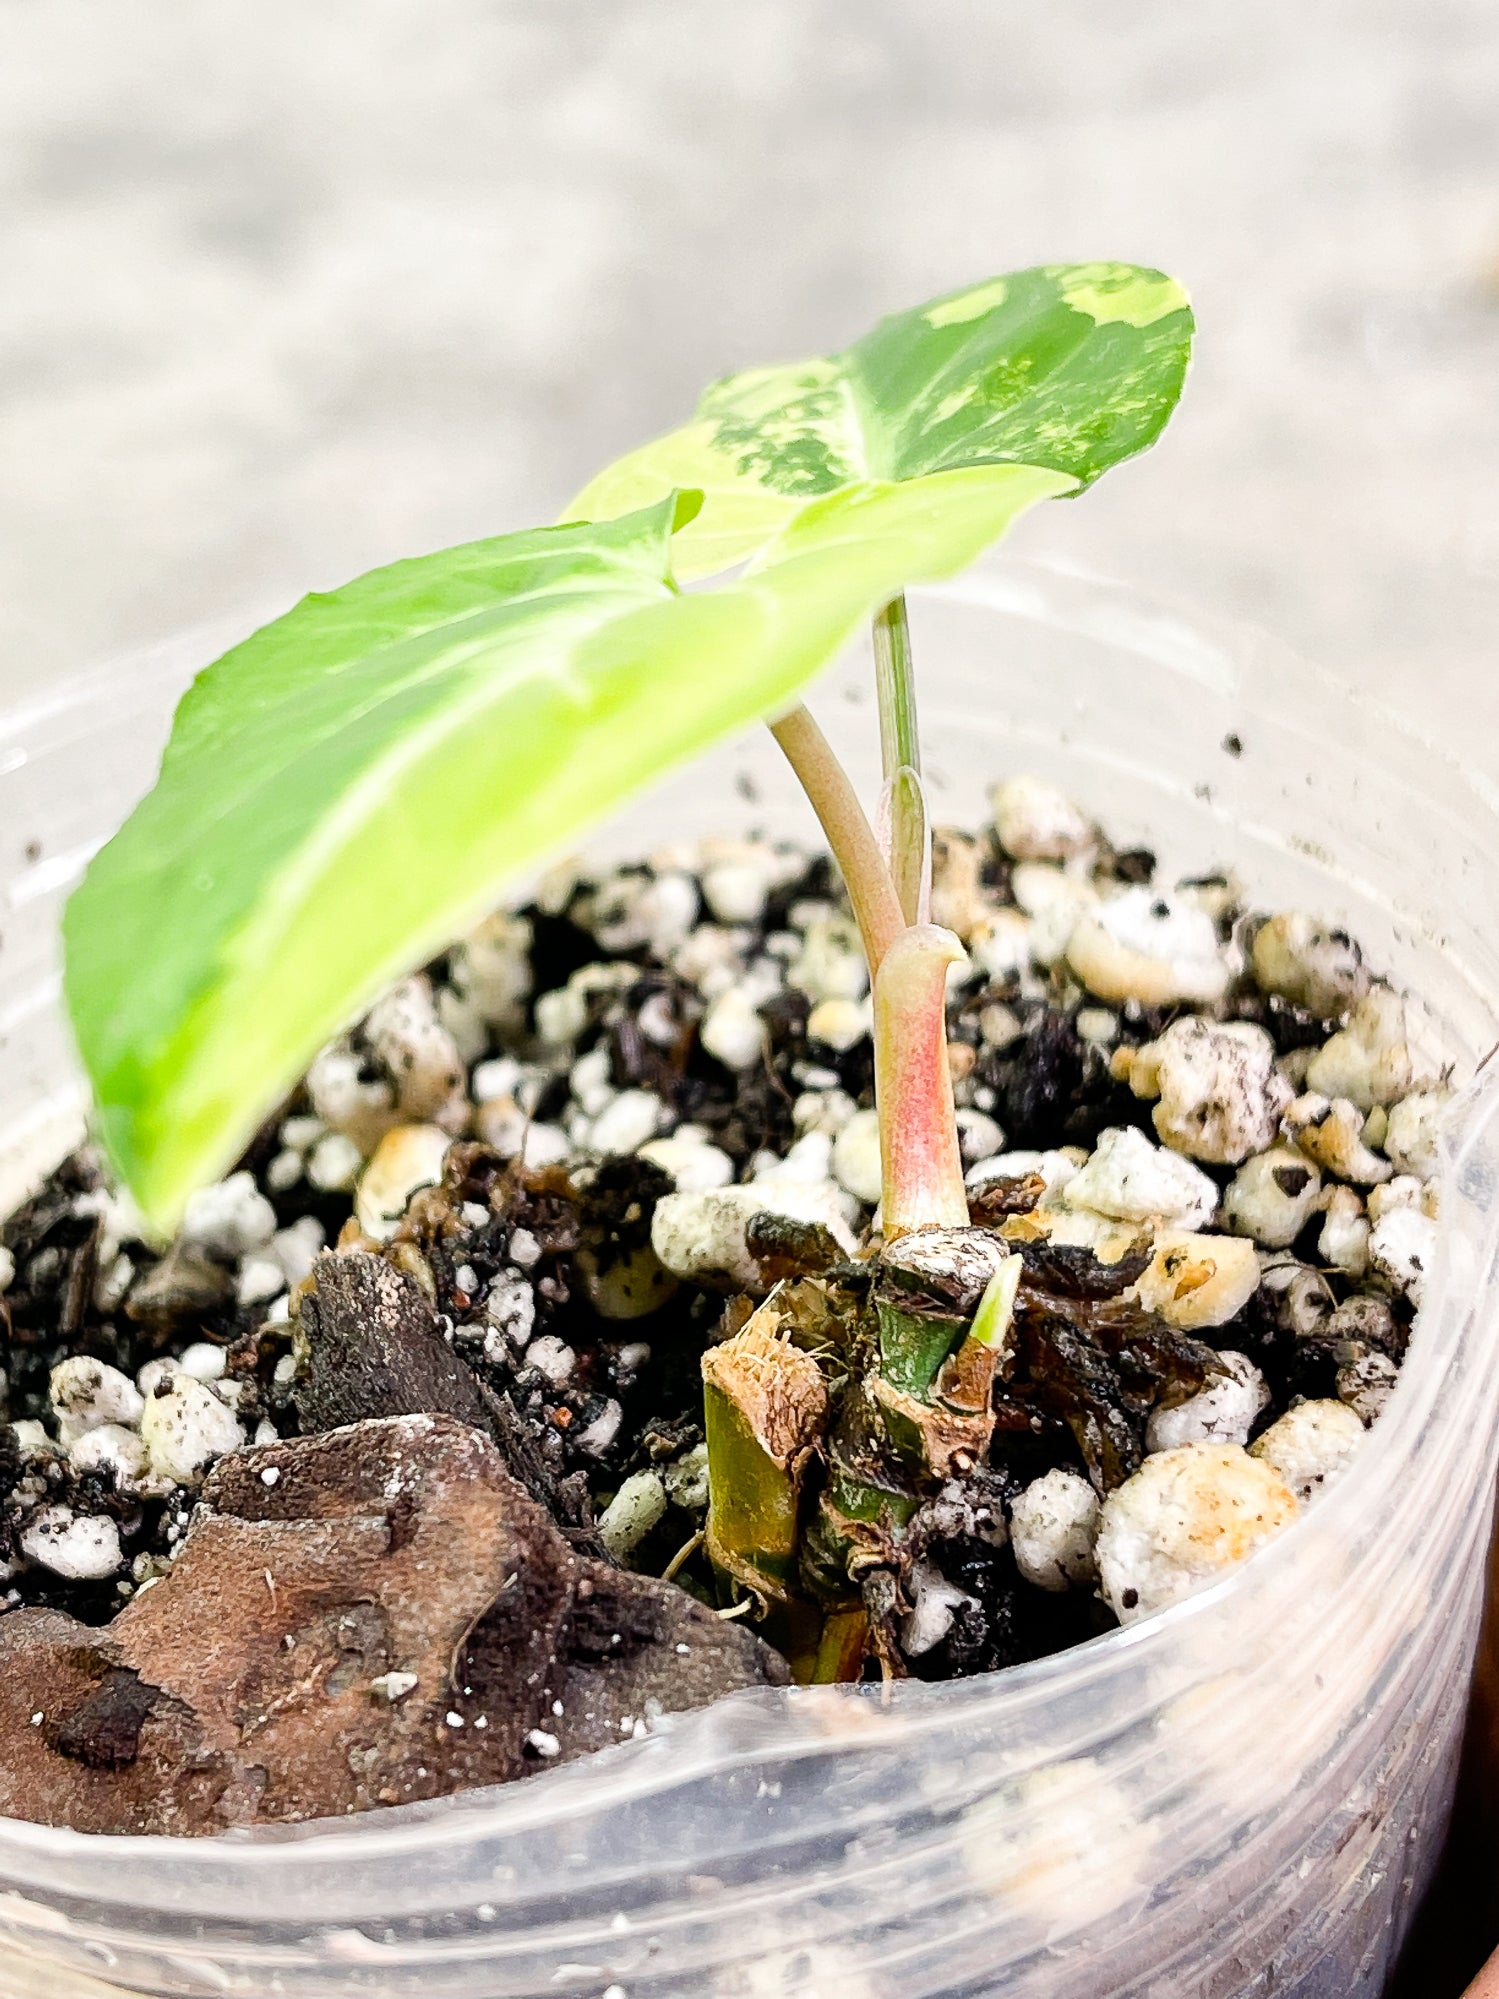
[(900, 755), (921, 1165), (857, 852)]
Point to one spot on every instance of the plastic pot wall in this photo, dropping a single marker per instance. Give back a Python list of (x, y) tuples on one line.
[(1242, 1797)]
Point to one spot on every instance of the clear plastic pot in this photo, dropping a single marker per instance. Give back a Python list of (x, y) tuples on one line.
[(1243, 1796)]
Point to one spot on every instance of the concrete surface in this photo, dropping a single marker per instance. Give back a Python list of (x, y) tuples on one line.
[(290, 290)]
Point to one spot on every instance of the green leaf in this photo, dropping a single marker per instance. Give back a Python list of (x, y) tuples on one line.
[(347, 789), (1072, 367)]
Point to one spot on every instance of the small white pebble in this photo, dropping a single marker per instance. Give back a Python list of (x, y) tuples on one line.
[(1053, 1526), (392, 1687), (543, 1744), (260, 1279), (1273, 1196), (1332, 1134), (86, 1392), (1369, 1060), (1057, 1170), (295, 1249), (553, 1358), (979, 1136), (186, 1429), (597, 1436), (113, 1449), (839, 1023), (1366, 1385), (32, 1440), (1196, 1280), (1413, 1132), (1223, 1412), (1184, 1518), (1402, 1245), (830, 964), (544, 1145), (1219, 1094), (732, 1031), (284, 1171), (7, 1269), (203, 1361), (230, 1219), (409, 1157), (1097, 1024), (453, 1718), (285, 1370), (856, 1157), (496, 1078), (525, 1250), (1147, 946), (692, 1164), (1311, 1446), (266, 1432), (735, 891), (1131, 1180), (634, 1510), (511, 1305), (686, 1480), (632, 1118), (934, 1604), (271, 1475), (1320, 969), (1037, 822), (1344, 1240), (84, 1547), (703, 1235), (334, 1164)]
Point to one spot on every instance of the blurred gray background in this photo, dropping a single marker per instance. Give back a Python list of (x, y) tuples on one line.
[(288, 289)]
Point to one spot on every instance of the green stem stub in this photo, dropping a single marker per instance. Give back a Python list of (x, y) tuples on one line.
[(913, 1347), (764, 1406)]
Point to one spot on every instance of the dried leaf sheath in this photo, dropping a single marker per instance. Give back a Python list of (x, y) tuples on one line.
[(765, 1404)]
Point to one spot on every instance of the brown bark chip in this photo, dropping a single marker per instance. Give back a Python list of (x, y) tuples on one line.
[(268, 1677)]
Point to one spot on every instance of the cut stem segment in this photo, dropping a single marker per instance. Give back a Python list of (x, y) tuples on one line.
[(900, 755), (876, 908), (921, 1165)]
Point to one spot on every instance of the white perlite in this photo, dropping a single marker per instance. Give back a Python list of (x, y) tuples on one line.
[(1402, 1244), (1369, 1060), (627, 1122), (1322, 970), (634, 1510), (1053, 1528), (702, 1235), (1037, 822), (1198, 1280), (1344, 1241), (1142, 945), (1413, 1133), (1220, 1093), (732, 1030), (934, 1603), (1273, 1196), (1185, 1517), (1131, 1180), (186, 1428), (692, 1163), (112, 1449), (408, 1157), (1331, 1132), (86, 1393), (84, 1547), (856, 1157), (1311, 1446), (230, 1219), (1223, 1412)]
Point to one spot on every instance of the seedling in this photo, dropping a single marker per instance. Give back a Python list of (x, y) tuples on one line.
[(347, 789)]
